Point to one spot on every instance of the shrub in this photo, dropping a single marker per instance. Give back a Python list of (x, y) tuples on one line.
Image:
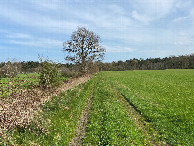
[(92, 68), (65, 71), (49, 74), (10, 69)]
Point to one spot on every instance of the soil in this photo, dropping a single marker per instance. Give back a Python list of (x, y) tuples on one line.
[(82, 124)]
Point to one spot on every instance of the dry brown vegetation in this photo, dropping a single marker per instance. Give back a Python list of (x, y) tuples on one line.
[(19, 109)]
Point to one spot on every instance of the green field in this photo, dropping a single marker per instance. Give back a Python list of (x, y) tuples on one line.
[(21, 81), (161, 100), (165, 98), (109, 122)]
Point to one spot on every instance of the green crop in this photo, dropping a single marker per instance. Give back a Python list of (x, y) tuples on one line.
[(9, 86), (165, 98), (109, 122)]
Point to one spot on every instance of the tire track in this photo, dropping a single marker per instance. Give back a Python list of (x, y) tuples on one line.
[(151, 135), (82, 124)]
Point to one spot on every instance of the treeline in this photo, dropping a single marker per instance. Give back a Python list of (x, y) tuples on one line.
[(12, 68), (31, 66), (173, 62), (69, 69)]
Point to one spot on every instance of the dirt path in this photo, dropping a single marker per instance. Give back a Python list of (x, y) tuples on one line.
[(19, 109), (81, 127)]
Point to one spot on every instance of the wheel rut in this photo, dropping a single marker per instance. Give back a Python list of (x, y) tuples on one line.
[(20, 109), (152, 137), (82, 124)]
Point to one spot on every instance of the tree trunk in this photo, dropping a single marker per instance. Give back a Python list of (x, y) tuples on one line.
[(83, 62)]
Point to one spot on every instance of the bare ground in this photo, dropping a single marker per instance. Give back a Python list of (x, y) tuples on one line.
[(20, 108), (82, 124)]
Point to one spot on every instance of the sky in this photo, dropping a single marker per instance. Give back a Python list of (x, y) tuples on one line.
[(127, 28)]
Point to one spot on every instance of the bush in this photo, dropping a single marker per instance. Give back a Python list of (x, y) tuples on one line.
[(68, 73), (65, 71), (49, 74), (92, 68), (10, 69)]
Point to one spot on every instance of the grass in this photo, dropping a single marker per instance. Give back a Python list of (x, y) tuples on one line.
[(109, 122), (21, 81), (57, 122), (165, 98)]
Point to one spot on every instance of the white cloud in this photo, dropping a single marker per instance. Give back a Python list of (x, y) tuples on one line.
[(183, 38), (48, 4), (42, 43), (178, 19), (112, 17), (178, 43), (139, 17), (144, 23), (18, 36), (32, 41), (115, 9), (118, 49), (182, 4), (152, 9), (191, 15), (40, 21)]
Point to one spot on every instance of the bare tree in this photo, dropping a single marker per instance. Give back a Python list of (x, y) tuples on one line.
[(10, 69), (83, 47)]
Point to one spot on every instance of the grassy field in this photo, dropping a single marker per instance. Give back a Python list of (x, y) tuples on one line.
[(163, 98), (13, 85), (32, 77), (21, 81), (109, 122)]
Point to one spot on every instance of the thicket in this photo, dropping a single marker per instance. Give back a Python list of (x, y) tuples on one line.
[(30, 66), (49, 74), (10, 69)]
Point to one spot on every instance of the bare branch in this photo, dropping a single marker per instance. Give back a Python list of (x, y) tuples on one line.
[(83, 47)]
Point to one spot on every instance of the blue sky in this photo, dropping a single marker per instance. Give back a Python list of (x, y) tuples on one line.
[(128, 28)]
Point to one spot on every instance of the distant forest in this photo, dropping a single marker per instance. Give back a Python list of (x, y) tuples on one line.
[(172, 62)]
